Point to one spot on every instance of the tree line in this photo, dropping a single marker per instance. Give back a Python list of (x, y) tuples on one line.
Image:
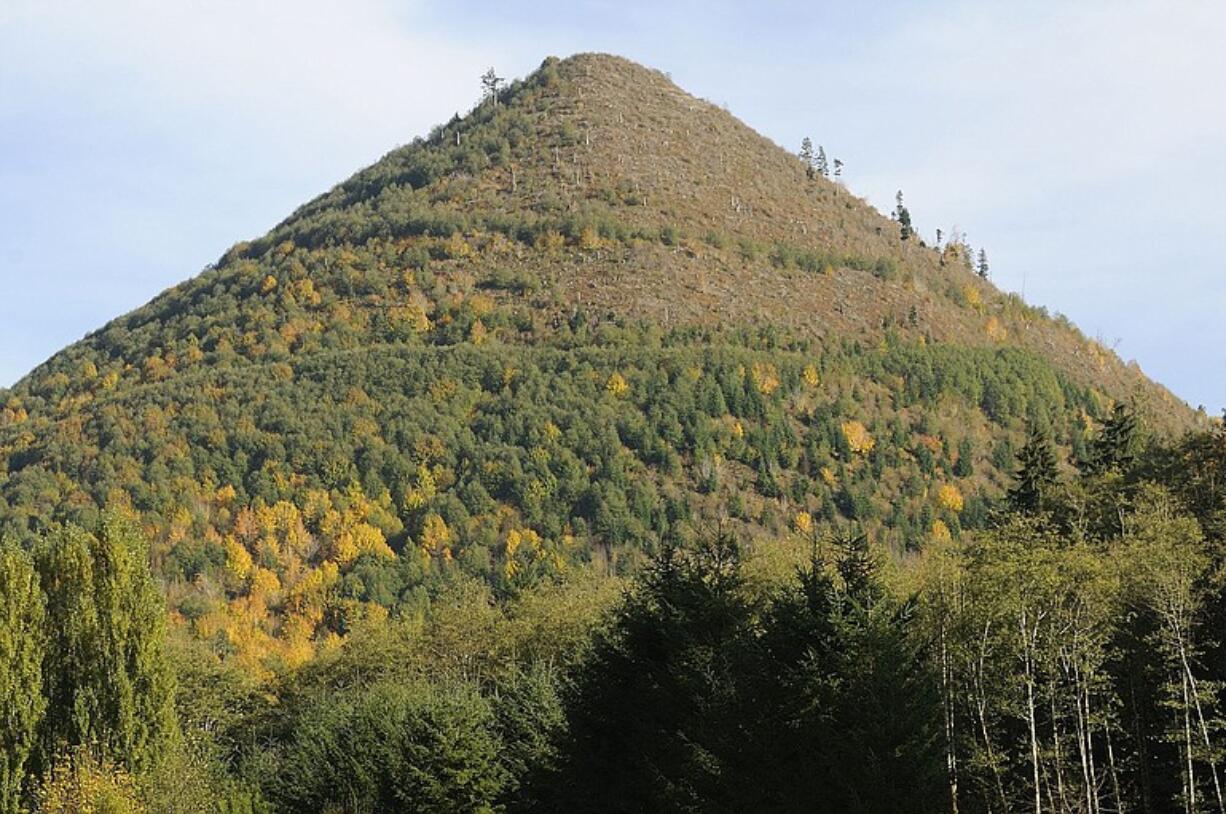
[(1063, 658)]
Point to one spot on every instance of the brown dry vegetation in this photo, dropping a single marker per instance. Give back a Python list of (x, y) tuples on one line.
[(611, 138)]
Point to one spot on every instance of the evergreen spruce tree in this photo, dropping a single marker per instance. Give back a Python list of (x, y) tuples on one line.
[(845, 708), (1115, 446), (965, 465), (650, 716), (1037, 474), (822, 165), (982, 266)]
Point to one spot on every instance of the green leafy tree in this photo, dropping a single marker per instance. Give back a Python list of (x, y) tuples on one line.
[(22, 644), (1167, 581), (109, 685)]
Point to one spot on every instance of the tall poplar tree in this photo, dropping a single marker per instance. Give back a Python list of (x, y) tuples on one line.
[(108, 682), (21, 654)]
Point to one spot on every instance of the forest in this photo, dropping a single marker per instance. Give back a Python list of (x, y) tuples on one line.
[(1063, 657)]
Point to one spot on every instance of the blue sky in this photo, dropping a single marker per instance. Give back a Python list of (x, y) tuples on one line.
[(1080, 143)]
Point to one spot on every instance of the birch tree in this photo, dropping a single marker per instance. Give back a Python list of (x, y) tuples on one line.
[(1168, 578)]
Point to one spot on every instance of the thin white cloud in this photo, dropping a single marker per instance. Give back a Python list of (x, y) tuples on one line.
[(334, 74)]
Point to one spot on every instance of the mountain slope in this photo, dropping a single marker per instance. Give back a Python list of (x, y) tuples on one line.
[(592, 309)]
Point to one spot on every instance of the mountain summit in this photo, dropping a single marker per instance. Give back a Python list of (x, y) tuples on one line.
[(591, 309)]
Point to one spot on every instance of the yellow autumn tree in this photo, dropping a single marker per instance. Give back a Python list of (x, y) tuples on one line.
[(80, 783), (858, 438), (435, 538), (940, 531), (765, 377), (617, 385), (950, 497), (238, 560)]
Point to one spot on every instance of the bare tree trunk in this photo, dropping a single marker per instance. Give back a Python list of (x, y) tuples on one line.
[(1027, 659), (1092, 789), (951, 755), (1190, 787), (981, 706), (1115, 777), (1200, 717), (1055, 736)]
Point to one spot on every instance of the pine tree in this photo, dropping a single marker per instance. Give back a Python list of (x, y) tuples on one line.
[(903, 216), (838, 168), (858, 570), (491, 83), (964, 467), (845, 712), (1037, 473), (982, 267), (822, 165), (806, 155), (649, 718), (22, 644), (1115, 446)]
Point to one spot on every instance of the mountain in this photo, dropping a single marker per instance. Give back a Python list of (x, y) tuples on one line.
[(589, 311)]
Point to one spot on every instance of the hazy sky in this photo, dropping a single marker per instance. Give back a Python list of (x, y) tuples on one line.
[(1080, 143)]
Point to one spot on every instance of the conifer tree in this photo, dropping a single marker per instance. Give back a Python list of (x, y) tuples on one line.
[(491, 83), (1037, 473), (822, 164), (965, 466), (982, 266), (1115, 446), (903, 216), (22, 643), (854, 694), (649, 716), (806, 155)]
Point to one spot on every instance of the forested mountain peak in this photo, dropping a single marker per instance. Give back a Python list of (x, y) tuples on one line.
[(601, 184), (590, 309)]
